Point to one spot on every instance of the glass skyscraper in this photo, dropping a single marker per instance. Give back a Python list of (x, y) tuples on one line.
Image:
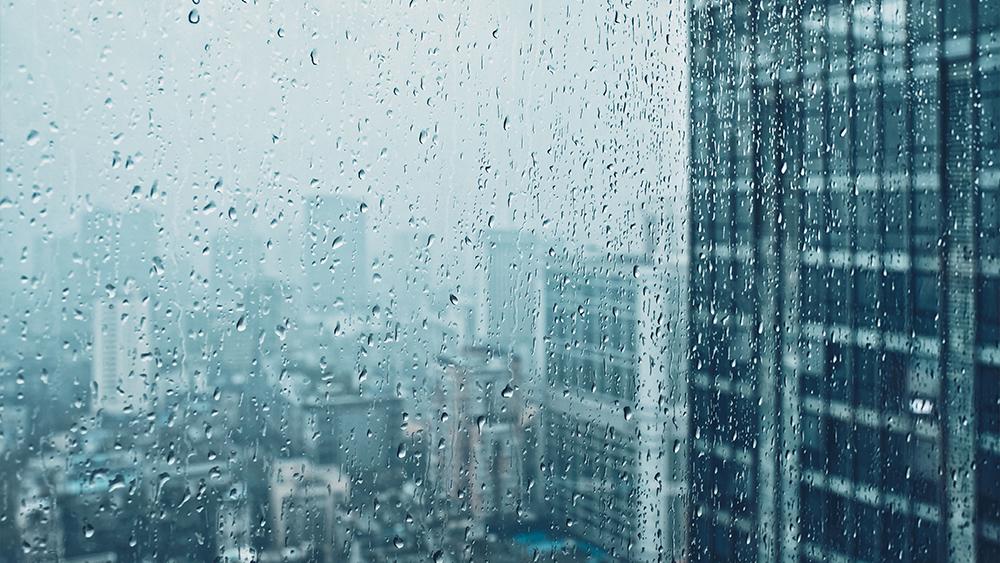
[(845, 280)]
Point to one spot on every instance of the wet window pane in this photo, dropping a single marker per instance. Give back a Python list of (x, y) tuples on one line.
[(317, 282)]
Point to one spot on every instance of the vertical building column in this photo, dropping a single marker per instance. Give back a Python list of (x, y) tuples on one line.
[(769, 274), (791, 426), (958, 310)]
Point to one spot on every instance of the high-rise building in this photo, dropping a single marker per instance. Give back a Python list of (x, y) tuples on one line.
[(614, 415), (123, 363), (844, 278), (236, 268), (334, 254), (482, 447), (116, 247), (307, 509), (511, 291)]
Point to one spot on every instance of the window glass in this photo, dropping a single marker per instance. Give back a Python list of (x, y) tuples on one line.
[(413, 280)]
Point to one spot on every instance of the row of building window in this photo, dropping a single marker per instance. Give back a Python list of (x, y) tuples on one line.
[(857, 529), (887, 220), (592, 373)]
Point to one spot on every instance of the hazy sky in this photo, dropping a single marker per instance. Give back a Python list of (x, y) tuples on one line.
[(559, 118)]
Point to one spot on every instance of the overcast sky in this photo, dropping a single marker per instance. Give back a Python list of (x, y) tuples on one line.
[(563, 119)]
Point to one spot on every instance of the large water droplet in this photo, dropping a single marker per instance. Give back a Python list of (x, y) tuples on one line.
[(118, 482)]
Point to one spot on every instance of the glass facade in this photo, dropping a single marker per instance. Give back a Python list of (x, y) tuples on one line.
[(860, 142)]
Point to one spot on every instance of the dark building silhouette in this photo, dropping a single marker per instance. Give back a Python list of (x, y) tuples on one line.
[(844, 281)]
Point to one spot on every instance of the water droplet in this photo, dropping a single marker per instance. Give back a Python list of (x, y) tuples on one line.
[(361, 174), (241, 324), (88, 530), (401, 451), (33, 138), (422, 137), (453, 298), (507, 391), (314, 57), (118, 482), (193, 16), (628, 413)]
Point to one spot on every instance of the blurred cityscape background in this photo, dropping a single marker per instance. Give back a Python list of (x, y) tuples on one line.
[(419, 281)]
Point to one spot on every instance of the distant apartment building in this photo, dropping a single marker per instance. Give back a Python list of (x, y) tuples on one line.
[(122, 366), (614, 416), (334, 257), (511, 291), (481, 438), (307, 509)]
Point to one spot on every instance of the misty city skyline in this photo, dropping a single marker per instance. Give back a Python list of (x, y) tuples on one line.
[(407, 280)]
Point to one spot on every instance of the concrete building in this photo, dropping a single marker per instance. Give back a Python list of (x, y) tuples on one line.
[(615, 412), (511, 291), (481, 438), (335, 258), (307, 509), (123, 364)]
